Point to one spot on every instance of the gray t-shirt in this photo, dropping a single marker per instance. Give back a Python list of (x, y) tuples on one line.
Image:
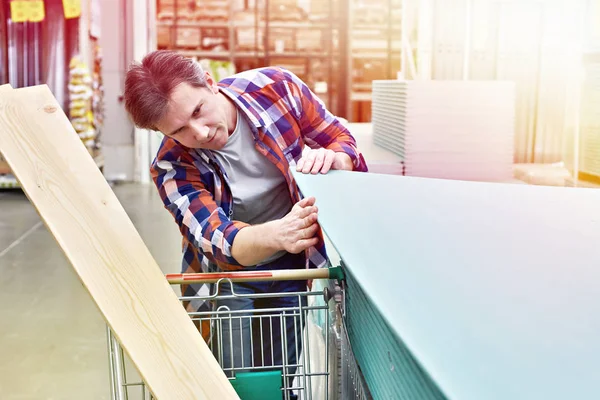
[(259, 190)]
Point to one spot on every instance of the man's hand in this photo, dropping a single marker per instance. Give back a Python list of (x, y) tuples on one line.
[(322, 160), (296, 231), (293, 233)]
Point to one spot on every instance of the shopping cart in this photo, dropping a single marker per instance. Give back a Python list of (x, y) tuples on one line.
[(304, 371)]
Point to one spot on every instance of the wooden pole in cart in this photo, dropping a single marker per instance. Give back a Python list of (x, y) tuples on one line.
[(256, 276), (78, 206)]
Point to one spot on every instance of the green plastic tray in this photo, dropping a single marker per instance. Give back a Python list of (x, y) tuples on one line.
[(263, 385)]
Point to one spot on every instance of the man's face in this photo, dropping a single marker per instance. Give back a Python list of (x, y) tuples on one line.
[(196, 117)]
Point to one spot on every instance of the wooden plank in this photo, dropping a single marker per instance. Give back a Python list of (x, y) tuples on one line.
[(90, 225)]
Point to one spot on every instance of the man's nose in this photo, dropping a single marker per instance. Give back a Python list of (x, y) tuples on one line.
[(201, 132)]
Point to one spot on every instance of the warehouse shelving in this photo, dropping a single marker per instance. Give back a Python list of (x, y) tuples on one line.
[(251, 34)]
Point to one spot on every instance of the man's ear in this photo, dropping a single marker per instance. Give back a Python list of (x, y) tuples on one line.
[(211, 83)]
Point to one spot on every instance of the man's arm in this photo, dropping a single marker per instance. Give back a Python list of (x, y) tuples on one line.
[(294, 233), (321, 129), (201, 221), (230, 244)]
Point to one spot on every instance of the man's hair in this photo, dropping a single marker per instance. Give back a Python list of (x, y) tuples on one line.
[(148, 85)]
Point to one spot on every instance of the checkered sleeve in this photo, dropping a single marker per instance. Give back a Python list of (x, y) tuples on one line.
[(320, 128), (200, 219)]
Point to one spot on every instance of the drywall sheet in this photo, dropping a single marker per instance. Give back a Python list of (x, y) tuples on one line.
[(492, 288)]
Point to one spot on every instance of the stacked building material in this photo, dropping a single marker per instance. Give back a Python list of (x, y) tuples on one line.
[(447, 129)]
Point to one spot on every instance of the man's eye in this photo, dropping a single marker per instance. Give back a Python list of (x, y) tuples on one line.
[(196, 112)]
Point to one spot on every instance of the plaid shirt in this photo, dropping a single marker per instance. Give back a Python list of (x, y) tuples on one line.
[(284, 115)]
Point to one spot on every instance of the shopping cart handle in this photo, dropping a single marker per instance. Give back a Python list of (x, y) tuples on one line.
[(253, 276)]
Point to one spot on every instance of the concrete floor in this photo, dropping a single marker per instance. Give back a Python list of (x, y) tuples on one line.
[(52, 337)]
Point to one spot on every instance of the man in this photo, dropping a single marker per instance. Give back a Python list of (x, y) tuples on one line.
[(223, 172)]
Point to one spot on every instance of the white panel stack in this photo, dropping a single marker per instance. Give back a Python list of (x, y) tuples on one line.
[(590, 119), (447, 129)]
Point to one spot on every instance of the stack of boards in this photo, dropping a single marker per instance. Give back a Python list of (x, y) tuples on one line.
[(590, 117), (447, 129), (79, 208), (466, 290)]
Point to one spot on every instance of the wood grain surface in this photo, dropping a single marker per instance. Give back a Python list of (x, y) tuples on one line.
[(90, 225)]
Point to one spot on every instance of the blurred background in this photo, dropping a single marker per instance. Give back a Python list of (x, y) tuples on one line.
[(548, 49)]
